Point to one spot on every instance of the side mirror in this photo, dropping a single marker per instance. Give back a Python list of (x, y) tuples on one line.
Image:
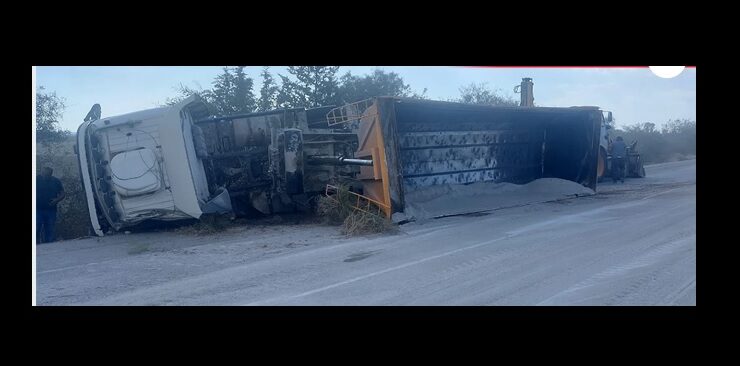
[(609, 117)]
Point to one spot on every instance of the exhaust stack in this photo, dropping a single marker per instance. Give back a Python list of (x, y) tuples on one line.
[(527, 93)]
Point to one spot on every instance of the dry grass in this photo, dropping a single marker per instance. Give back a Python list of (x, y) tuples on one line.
[(337, 208), (207, 225), (340, 210), (360, 223)]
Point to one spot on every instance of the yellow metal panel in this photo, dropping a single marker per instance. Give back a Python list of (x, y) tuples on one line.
[(375, 178)]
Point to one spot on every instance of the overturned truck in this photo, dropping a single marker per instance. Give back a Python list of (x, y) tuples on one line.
[(177, 162)]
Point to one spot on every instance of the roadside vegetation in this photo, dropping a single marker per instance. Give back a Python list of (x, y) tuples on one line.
[(674, 142), (339, 209), (55, 148)]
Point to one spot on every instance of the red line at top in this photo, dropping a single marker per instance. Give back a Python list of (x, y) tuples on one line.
[(566, 67)]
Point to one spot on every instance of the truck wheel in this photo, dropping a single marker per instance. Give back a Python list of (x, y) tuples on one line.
[(601, 167)]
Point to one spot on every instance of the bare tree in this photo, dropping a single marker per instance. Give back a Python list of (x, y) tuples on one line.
[(481, 94)]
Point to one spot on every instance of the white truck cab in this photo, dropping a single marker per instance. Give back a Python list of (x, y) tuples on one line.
[(145, 165)]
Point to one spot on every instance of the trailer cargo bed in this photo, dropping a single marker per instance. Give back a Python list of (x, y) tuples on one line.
[(421, 144)]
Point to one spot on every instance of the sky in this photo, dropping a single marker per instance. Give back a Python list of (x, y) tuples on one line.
[(634, 95)]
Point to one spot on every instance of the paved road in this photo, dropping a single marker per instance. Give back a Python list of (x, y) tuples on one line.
[(631, 244)]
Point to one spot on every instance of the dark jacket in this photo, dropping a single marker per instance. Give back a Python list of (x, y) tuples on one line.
[(47, 189), (619, 149)]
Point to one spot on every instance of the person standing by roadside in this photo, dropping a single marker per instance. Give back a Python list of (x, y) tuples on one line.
[(619, 153), (49, 192)]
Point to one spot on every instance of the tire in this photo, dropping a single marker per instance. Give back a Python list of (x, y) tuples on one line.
[(640, 169), (601, 168)]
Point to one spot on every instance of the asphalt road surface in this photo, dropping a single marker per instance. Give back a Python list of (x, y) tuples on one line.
[(630, 244)]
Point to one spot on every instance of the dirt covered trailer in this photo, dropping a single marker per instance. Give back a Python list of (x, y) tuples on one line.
[(416, 145)]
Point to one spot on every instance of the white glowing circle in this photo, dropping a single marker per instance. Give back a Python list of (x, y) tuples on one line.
[(667, 72)]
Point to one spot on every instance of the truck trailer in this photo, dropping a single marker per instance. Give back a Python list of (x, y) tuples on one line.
[(418, 144)]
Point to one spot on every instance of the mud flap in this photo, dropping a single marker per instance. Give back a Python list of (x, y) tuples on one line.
[(221, 203)]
